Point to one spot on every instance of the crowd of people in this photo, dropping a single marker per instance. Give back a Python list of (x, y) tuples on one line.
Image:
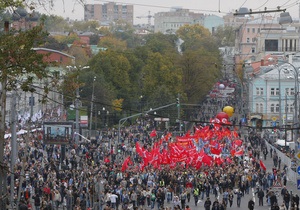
[(91, 177)]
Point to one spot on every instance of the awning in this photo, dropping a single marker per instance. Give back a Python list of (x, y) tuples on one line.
[(256, 117)]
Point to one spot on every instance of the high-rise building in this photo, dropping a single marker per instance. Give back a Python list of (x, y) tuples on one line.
[(108, 12)]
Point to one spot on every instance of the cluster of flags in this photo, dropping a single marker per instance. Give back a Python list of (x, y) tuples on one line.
[(214, 144)]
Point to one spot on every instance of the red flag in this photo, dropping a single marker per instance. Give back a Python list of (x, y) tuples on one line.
[(126, 162), (262, 165), (153, 133), (106, 160)]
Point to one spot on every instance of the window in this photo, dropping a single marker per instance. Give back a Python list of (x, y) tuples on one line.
[(277, 92), (272, 108), (248, 40), (271, 45), (253, 30), (261, 108), (292, 91), (272, 91), (291, 108), (248, 30), (259, 91), (277, 107), (253, 50)]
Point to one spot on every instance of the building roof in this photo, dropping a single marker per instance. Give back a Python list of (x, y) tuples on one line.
[(54, 51)]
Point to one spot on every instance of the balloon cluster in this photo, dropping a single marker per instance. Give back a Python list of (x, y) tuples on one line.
[(223, 117)]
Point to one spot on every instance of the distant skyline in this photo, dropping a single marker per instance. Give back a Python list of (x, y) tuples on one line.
[(75, 11)]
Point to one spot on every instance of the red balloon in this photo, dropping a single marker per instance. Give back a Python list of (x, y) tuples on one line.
[(222, 115)]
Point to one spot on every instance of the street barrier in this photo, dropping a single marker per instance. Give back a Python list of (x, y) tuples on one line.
[(285, 160)]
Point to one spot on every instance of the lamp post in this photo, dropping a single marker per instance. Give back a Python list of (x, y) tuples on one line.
[(92, 105), (77, 101), (280, 114), (295, 72)]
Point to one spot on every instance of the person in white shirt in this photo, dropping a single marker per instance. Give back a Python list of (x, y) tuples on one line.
[(113, 200)]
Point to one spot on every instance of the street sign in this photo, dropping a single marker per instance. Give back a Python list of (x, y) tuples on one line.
[(298, 170), (298, 156), (298, 184), (277, 184)]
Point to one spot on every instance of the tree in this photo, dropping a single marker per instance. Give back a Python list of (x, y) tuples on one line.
[(52, 43), (55, 23), (20, 66), (195, 37), (91, 26), (124, 31), (225, 36), (161, 78), (81, 52), (199, 73), (112, 43), (161, 43)]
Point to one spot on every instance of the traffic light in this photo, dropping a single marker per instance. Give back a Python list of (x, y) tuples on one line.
[(177, 102)]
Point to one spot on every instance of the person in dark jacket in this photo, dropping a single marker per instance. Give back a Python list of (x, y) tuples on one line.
[(23, 206), (296, 200), (37, 201), (251, 204), (207, 204), (260, 196)]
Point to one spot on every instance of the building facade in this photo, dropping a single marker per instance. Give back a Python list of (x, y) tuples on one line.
[(108, 12), (264, 35), (170, 22), (272, 94)]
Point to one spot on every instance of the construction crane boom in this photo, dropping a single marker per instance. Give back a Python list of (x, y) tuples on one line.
[(149, 16)]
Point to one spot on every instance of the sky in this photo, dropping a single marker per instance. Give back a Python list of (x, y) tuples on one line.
[(75, 10)]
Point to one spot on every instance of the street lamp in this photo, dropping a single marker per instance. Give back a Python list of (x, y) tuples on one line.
[(295, 72), (92, 105), (77, 102), (279, 84)]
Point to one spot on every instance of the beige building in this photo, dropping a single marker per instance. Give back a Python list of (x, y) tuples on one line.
[(264, 35), (170, 22), (108, 12)]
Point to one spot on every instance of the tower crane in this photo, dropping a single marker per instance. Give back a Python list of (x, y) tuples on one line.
[(149, 16)]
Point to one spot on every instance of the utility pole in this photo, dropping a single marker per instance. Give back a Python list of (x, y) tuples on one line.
[(178, 111), (3, 166), (92, 106), (13, 147), (77, 115)]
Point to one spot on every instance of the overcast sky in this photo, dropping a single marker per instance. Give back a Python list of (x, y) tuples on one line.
[(73, 10)]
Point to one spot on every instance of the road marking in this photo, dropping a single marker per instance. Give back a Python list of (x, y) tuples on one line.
[(253, 194)]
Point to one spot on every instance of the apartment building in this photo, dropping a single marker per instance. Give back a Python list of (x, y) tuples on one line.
[(108, 12)]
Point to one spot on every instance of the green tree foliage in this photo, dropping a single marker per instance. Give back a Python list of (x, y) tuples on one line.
[(94, 39), (160, 78), (81, 51), (112, 43), (51, 43), (115, 67), (91, 26), (199, 73), (196, 37), (161, 43), (4, 4), (19, 63), (225, 36), (125, 31), (55, 23)]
